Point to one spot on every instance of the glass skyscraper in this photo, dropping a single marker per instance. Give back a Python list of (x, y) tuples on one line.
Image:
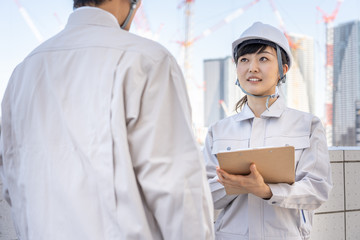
[(346, 80)]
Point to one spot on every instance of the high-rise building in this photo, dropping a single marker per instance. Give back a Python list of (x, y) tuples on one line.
[(346, 80), (221, 94), (300, 87)]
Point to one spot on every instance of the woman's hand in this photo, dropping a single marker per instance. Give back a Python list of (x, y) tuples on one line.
[(253, 183)]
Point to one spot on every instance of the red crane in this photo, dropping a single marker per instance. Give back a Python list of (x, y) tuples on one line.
[(328, 19), (292, 44)]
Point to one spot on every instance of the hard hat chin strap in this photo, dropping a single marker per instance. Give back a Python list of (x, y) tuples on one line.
[(275, 95), (281, 70), (131, 11)]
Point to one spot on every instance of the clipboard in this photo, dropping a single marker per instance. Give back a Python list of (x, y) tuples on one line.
[(275, 164)]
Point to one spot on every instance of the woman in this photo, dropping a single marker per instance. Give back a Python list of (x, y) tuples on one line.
[(269, 211)]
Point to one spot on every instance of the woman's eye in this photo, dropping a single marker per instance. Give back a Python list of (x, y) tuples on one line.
[(242, 60), (263, 59)]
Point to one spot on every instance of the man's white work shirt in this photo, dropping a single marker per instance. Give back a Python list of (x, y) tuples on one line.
[(97, 139), (288, 214)]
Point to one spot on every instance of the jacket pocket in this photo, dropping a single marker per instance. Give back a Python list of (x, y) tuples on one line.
[(227, 145), (299, 143)]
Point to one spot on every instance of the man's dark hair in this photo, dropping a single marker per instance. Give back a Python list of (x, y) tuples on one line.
[(81, 3)]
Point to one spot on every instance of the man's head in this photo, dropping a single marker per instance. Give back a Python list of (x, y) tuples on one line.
[(123, 10), (82, 3)]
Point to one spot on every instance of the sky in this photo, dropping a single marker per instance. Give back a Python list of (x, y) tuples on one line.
[(166, 21)]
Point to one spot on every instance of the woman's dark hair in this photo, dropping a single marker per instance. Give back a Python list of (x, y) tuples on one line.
[(250, 49), (82, 3)]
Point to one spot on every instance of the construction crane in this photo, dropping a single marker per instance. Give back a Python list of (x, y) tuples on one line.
[(187, 44), (328, 19), (224, 107), (60, 23), (189, 40), (29, 21), (232, 16), (142, 25), (292, 44)]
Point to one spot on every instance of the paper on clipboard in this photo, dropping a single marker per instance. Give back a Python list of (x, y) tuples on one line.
[(275, 164)]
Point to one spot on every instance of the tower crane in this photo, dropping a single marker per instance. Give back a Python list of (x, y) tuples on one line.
[(232, 16), (189, 40), (61, 24), (142, 25), (224, 107), (328, 19), (292, 44), (29, 21)]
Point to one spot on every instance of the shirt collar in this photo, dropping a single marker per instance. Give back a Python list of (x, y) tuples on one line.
[(275, 110), (92, 16)]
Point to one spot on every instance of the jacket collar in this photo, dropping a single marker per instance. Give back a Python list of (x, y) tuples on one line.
[(92, 16), (275, 110)]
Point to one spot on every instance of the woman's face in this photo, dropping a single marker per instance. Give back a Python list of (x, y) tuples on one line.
[(258, 72)]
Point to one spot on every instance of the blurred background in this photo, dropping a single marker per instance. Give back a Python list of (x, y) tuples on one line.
[(324, 36)]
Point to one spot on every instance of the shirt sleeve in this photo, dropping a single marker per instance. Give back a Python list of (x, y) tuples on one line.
[(313, 181), (166, 158), (220, 198)]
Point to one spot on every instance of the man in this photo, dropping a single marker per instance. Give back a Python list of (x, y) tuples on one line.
[(97, 137)]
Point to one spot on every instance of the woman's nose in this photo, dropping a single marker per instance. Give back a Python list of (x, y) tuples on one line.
[(253, 66)]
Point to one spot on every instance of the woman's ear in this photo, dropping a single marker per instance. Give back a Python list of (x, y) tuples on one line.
[(285, 68)]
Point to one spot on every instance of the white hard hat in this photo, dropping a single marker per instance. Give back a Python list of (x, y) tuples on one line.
[(261, 31)]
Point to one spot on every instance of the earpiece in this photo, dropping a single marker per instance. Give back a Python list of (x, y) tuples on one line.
[(132, 9), (134, 3)]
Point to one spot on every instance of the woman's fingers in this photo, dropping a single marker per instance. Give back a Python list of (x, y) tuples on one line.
[(224, 177)]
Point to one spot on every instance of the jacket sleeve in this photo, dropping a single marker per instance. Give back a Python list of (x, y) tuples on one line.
[(221, 200), (313, 181), (167, 161), (5, 191)]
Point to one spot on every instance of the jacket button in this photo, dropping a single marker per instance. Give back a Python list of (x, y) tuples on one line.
[(273, 202), (228, 148)]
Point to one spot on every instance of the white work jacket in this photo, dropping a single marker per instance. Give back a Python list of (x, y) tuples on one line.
[(97, 140), (288, 214)]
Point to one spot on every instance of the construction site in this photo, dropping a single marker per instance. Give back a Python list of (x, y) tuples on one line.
[(324, 79)]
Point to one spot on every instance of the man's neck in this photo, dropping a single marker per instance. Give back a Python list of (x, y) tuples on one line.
[(117, 8)]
